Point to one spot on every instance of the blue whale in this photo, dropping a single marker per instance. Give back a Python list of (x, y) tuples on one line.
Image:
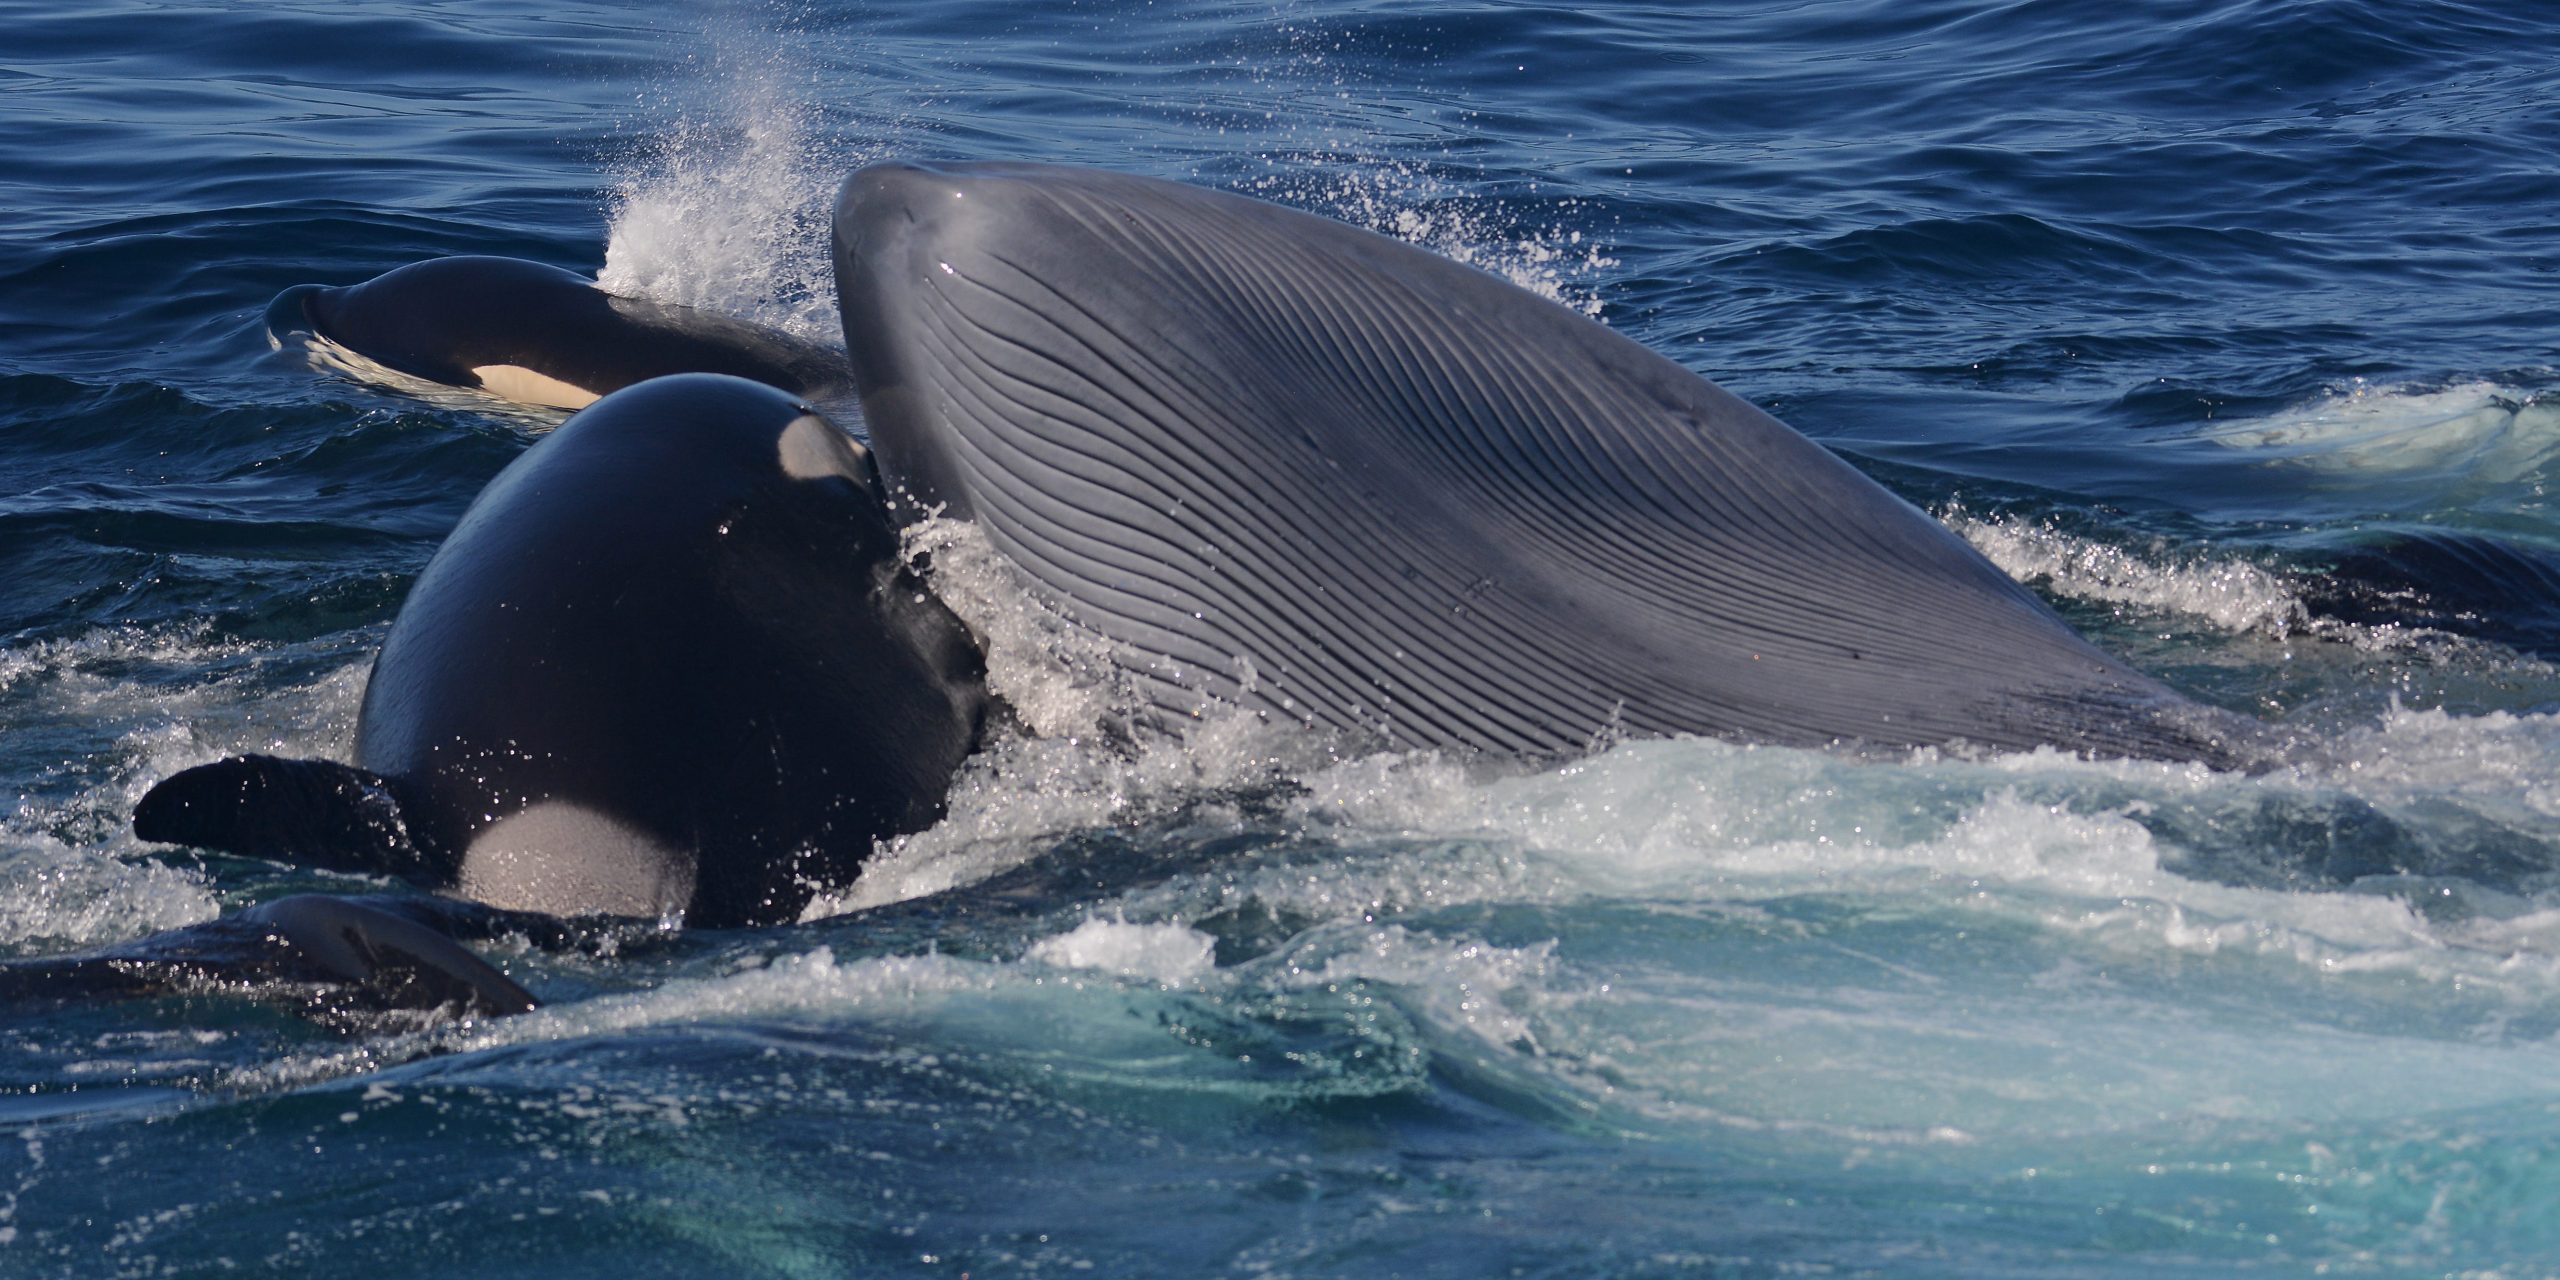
[(1290, 464)]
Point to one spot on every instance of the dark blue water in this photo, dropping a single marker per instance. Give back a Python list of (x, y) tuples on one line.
[(2230, 326)]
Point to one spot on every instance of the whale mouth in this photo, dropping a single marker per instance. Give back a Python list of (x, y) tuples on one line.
[(334, 325), (293, 324), (328, 355), (289, 320)]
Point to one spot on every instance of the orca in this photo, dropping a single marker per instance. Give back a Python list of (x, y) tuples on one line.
[(1289, 464), (671, 663), (329, 957), (535, 334)]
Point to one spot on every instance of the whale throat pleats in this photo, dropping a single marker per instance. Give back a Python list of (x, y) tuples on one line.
[(1290, 463)]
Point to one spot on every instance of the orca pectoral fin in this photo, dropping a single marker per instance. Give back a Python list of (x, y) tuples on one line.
[(313, 813)]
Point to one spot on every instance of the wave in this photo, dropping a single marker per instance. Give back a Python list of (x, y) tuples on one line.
[(2457, 439), (2227, 593)]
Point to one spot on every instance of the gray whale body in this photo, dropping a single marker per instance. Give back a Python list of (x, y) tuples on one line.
[(670, 661), (1286, 463)]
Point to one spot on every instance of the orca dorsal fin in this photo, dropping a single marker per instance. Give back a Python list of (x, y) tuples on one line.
[(385, 958), (311, 813)]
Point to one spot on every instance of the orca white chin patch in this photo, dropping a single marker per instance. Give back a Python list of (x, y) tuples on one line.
[(517, 383), (563, 860)]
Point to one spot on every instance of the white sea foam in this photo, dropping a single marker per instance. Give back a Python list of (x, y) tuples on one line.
[(2501, 764), (1718, 824), (1721, 826), (70, 872), (1168, 953), (1089, 759), (2479, 433), (1815, 970), (1918, 953), (1056, 676), (2224, 592), (1006, 1005), (94, 660), (62, 895), (1016, 798)]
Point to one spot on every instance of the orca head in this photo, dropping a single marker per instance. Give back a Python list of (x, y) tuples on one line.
[(501, 325)]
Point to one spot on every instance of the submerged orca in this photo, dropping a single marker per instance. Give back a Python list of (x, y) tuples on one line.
[(329, 956), (539, 335), (1291, 464), (671, 661)]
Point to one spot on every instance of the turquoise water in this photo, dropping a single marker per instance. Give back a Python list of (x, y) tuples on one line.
[(2227, 325)]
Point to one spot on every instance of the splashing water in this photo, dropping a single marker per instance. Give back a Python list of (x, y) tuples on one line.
[(728, 209), (175, 698)]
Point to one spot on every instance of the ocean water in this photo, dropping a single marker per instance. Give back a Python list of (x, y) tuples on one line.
[(2227, 324)]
